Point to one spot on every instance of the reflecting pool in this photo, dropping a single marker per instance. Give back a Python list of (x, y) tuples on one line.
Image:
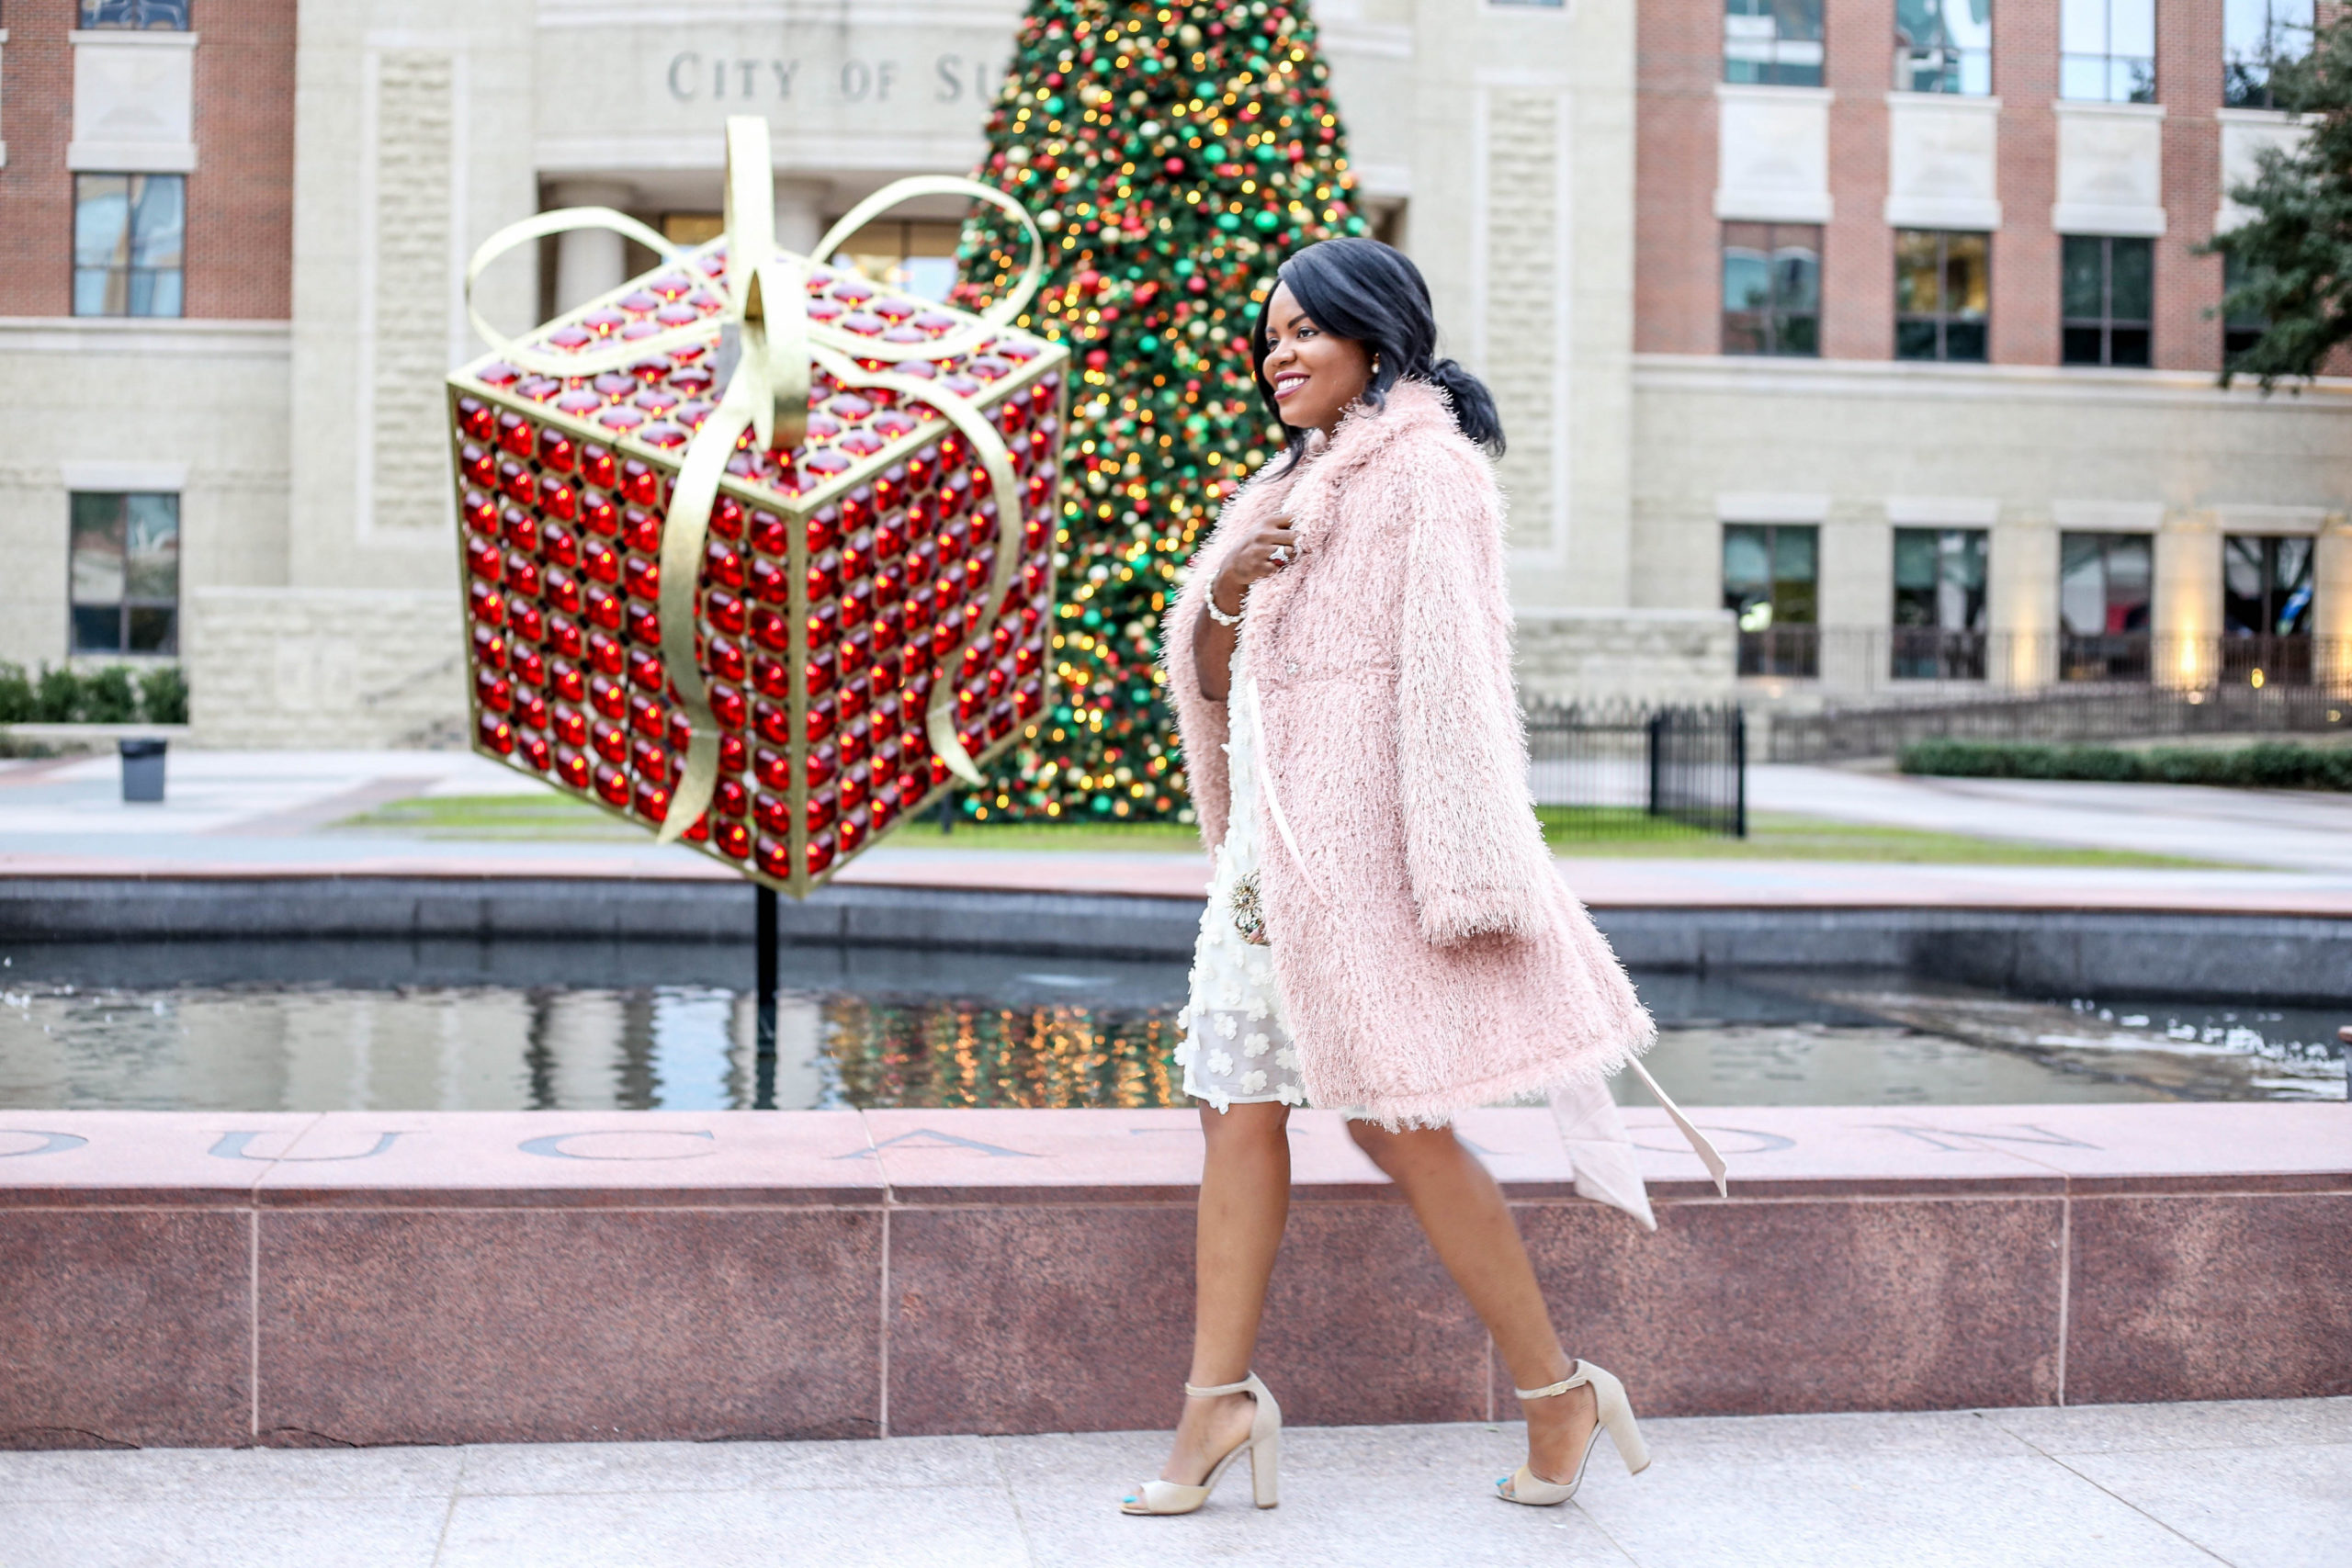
[(491, 1027)]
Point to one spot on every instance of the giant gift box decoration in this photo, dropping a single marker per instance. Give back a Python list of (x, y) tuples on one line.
[(757, 552)]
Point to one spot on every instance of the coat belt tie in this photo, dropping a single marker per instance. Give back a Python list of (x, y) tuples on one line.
[(1700, 1145)]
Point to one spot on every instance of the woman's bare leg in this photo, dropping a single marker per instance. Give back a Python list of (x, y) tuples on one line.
[(1245, 1198), (1463, 1211)]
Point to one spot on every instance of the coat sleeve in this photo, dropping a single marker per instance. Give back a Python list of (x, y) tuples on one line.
[(1473, 848), (1200, 722)]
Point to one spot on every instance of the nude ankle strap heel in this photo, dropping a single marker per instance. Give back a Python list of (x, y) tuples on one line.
[(1264, 1444), (1616, 1419)]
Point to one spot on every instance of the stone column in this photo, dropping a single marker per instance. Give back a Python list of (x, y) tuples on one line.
[(801, 208), (589, 262), (2022, 586), (2187, 613), (2332, 601), (1857, 589)]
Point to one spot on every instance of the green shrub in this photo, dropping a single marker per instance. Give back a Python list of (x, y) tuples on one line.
[(1952, 759), (118, 693), (163, 694), (2103, 763), (2271, 764), (108, 696), (60, 697), (18, 703)]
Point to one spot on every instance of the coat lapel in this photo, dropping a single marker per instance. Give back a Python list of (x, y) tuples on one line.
[(1314, 498)]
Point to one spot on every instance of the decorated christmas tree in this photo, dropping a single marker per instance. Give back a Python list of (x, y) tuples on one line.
[(1173, 154)]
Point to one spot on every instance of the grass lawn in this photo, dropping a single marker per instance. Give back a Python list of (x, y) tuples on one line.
[(1175, 837), (1604, 833), (560, 816), (1594, 832), (547, 816)]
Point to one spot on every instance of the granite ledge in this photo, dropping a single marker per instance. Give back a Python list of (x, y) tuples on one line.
[(915, 1158)]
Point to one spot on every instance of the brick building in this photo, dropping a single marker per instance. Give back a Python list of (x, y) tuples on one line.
[(1926, 358), (1844, 344)]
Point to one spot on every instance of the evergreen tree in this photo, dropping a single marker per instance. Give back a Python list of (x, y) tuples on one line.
[(1173, 154), (2290, 265)]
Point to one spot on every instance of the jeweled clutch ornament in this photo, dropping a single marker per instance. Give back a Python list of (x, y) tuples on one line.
[(759, 553), (1249, 911)]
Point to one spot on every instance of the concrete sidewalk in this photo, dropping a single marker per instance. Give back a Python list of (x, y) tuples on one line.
[(2287, 829), (2260, 1483), (266, 806), (265, 815)]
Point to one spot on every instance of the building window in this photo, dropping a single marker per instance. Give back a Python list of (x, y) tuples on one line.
[(2104, 583), (917, 256), (1771, 289), (2255, 36), (2107, 300), (1942, 294), (1771, 576), (155, 15), (1776, 42), (2108, 51), (1939, 608), (128, 231), (2241, 329), (2266, 608), (124, 573), (1944, 46)]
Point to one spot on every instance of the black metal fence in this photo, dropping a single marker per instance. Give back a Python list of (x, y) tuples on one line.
[(2113, 711), (1627, 767)]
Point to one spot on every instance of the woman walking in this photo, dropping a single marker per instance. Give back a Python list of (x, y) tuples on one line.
[(1385, 933)]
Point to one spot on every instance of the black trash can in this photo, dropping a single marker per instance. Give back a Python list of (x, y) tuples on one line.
[(143, 770)]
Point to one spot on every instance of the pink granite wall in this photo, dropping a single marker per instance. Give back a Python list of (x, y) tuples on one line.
[(171, 1279)]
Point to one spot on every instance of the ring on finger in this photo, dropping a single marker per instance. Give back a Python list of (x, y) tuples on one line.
[(1280, 553)]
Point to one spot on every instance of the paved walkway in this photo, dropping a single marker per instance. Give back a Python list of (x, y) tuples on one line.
[(2289, 830), (260, 814), (2261, 1484)]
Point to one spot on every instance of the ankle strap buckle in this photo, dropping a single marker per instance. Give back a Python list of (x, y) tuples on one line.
[(1246, 1385), (1575, 1379)]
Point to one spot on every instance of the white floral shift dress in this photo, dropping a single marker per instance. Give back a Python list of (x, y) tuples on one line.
[(1237, 1048)]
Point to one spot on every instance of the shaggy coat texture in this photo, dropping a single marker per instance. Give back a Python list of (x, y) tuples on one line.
[(1428, 956)]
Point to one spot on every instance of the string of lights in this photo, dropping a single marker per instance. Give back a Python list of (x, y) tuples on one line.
[(1173, 156)]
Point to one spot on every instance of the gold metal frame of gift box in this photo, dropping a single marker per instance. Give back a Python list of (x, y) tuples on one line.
[(1049, 363)]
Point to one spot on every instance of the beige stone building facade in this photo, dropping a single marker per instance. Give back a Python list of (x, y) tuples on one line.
[(233, 236)]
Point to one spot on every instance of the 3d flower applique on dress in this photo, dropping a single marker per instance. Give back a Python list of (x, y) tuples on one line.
[(1287, 1058), (1236, 1020)]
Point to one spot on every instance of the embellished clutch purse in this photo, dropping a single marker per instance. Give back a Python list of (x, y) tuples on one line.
[(1248, 915)]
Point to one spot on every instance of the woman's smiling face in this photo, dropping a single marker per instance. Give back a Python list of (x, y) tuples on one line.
[(1315, 374)]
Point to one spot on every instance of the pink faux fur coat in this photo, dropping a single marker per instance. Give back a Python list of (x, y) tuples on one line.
[(1430, 957)]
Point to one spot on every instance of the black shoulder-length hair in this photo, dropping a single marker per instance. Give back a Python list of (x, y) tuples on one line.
[(1374, 294)]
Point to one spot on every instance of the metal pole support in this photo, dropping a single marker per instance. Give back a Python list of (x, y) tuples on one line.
[(764, 1093), (1739, 770)]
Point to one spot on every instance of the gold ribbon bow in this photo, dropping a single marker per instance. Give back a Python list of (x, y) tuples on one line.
[(767, 347)]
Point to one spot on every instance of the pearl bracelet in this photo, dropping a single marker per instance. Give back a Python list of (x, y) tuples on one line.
[(1220, 617)]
